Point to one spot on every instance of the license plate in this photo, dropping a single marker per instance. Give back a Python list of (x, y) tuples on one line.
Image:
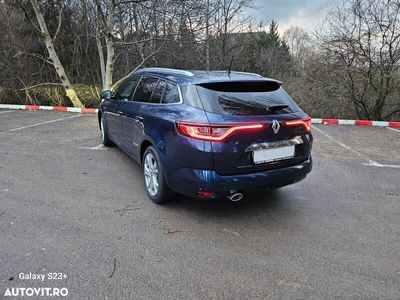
[(274, 154)]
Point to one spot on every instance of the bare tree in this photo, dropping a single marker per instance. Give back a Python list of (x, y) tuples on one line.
[(100, 41), (228, 12), (363, 43), (299, 43), (207, 43), (106, 13), (48, 40), (113, 23)]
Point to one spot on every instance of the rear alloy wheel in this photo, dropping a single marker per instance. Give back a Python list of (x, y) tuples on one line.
[(104, 134), (154, 180)]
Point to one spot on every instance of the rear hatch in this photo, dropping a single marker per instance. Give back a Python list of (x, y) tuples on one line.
[(282, 140)]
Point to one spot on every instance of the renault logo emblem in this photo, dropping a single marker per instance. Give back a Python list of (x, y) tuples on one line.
[(275, 126)]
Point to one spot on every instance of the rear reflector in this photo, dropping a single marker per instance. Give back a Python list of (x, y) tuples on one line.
[(207, 195), (306, 123), (213, 132)]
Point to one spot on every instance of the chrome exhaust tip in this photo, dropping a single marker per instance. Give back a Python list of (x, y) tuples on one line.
[(235, 197)]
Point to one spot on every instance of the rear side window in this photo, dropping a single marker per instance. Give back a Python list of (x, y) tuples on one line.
[(145, 89), (158, 92), (246, 98), (171, 94)]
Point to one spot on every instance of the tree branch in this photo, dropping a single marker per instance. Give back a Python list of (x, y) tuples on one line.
[(59, 23), (34, 55), (40, 84)]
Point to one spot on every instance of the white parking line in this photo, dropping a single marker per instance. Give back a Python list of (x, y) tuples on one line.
[(98, 147), (43, 123), (393, 129), (370, 162), (382, 165)]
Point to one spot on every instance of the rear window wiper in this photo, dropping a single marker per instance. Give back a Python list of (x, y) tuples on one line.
[(276, 107)]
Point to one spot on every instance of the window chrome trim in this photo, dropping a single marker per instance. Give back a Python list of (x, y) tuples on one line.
[(110, 113)]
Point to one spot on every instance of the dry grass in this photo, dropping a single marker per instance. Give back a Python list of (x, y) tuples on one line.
[(50, 95)]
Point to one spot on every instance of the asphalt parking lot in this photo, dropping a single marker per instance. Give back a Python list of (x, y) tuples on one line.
[(69, 205)]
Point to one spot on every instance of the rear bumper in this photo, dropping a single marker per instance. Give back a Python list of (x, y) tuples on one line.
[(190, 181)]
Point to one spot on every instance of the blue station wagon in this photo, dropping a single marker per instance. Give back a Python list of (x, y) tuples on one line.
[(207, 134)]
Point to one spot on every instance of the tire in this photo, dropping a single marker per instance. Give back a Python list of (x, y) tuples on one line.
[(104, 134), (153, 175)]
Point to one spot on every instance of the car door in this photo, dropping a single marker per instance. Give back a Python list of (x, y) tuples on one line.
[(117, 107), (112, 119), (133, 122)]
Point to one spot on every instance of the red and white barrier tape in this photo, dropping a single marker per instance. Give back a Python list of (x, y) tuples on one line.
[(94, 111), (356, 122), (51, 108)]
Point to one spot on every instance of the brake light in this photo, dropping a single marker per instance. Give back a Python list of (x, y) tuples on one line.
[(306, 123), (214, 132)]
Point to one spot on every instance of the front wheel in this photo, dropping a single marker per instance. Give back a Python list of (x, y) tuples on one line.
[(154, 179)]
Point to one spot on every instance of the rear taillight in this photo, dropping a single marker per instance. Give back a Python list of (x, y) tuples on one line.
[(214, 132), (306, 123)]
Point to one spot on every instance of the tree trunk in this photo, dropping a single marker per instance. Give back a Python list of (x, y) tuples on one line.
[(109, 27), (100, 49), (208, 36), (69, 90), (101, 59), (108, 81)]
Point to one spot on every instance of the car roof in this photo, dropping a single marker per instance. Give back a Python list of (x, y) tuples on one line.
[(200, 77)]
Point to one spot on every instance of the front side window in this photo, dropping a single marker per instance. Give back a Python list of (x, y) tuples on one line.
[(145, 89), (171, 94), (125, 90)]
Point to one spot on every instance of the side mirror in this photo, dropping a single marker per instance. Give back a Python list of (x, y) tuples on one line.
[(106, 95)]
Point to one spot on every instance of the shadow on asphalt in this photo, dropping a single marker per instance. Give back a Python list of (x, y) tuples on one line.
[(257, 200), (272, 204)]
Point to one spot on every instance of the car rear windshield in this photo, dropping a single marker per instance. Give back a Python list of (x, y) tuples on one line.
[(246, 98)]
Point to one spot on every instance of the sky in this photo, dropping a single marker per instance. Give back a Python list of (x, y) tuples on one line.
[(303, 13)]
